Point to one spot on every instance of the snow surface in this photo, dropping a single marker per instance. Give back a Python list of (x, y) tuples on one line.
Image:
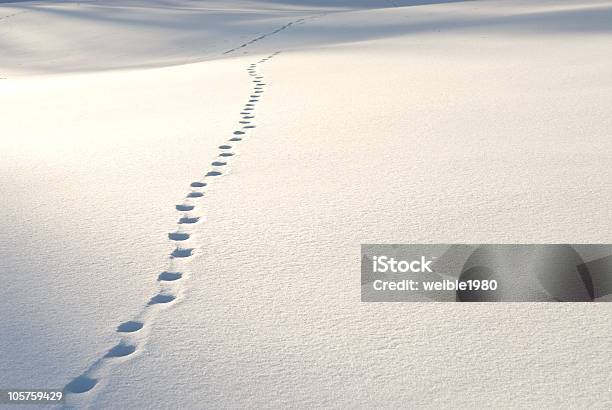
[(467, 121)]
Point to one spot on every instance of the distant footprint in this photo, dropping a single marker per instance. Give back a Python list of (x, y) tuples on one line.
[(198, 184), (225, 147), (182, 252), (169, 276), (189, 220), (178, 236), (216, 173), (185, 207), (121, 350), (195, 194), (81, 384), (218, 163), (226, 154), (130, 327), (161, 298)]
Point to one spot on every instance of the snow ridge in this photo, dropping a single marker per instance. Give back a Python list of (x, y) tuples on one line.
[(261, 37)]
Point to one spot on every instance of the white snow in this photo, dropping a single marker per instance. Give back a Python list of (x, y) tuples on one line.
[(468, 121)]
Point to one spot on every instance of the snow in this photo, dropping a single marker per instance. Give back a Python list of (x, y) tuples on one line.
[(469, 121)]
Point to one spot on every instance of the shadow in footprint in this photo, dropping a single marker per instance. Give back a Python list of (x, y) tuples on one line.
[(185, 207), (182, 252), (130, 327), (178, 236), (121, 350), (248, 126), (81, 384), (238, 132), (195, 195), (189, 220), (235, 139), (169, 276), (213, 174), (225, 146), (198, 184), (218, 163), (161, 299), (226, 154)]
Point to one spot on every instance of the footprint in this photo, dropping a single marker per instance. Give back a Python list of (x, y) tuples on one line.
[(249, 109), (121, 350), (225, 146), (255, 96), (81, 384), (253, 100), (130, 327), (244, 122), (214, 173), (185, 207), (248, 126), (182, 252), (178, 236), (169, 276), (250, 105), (189, 220), (195, 194), (226, 154), (198, 184), (258, 91), (235, 139), (218, 163), (161, 298), (248, 117), (238, 132)]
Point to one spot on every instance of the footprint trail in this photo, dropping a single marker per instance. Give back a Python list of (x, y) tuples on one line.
[(133, 334)]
